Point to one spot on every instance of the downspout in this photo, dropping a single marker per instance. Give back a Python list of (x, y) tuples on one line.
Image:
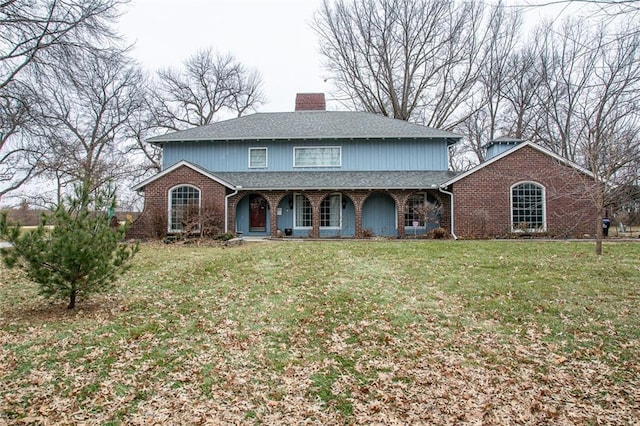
[(226, 208), (441, 189)]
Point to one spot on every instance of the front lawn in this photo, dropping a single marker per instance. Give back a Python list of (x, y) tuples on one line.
[(493, 332)]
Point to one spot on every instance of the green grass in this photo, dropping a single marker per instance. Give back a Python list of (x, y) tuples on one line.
[(335, 332)]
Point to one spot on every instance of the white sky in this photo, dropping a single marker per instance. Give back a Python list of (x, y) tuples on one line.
[(272, 36)]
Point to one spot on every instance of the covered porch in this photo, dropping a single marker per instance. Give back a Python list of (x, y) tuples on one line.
[(337, 213)]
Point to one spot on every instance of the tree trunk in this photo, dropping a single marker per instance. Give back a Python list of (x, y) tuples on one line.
[(599, 246), (599, 233), (72, 299)]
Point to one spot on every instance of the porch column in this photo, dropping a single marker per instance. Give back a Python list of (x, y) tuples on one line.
[(273, 198), (231, 213), (315, 222), (401, 201), (358, 201)]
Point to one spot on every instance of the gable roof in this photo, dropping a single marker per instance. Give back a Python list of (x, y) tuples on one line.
[(332, 180), (177, 165), (306, 125), (511, 151)]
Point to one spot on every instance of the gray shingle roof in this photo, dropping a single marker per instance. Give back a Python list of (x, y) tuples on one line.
[(336, 180), (306, 125)]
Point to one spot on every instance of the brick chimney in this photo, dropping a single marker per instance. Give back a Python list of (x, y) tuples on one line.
[(310, 102)]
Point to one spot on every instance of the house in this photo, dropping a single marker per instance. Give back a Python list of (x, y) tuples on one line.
[(317, 173)]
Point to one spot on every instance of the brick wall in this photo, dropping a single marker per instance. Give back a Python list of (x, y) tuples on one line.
[(482, 200), (310, 102), (153, 223)]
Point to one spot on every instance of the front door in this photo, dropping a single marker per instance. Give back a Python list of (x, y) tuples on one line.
[(257, 213)]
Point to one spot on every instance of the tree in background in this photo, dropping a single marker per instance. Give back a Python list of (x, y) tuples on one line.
[(496, 76), (82, 116), (411, 60), (81, 255), (586, 105), (18, 158), (33, 33), (209, 87)]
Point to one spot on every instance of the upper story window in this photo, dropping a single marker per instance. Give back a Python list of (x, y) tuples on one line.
[(527, 207), (317, 156), (257, 158), (184, 206)]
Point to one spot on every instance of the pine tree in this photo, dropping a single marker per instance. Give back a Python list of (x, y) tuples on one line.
[(79, 254)]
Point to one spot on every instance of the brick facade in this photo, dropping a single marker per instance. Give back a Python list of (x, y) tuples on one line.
[(153, 222), (482, 200)]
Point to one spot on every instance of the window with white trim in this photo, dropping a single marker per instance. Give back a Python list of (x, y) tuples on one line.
[(257, 158), (184, 202), (317, 156), (421, 208), (331, 211), (527, 207), (303, 214)]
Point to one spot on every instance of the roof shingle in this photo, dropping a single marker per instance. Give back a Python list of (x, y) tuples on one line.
[(335, 180), (306, 125)]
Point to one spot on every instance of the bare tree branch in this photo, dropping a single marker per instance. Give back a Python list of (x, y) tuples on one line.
[(208, 87), (83, 117)]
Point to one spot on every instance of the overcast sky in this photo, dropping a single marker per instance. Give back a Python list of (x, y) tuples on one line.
[(272, 36)]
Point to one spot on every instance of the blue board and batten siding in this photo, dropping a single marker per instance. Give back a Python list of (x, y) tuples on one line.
[(368, 155)]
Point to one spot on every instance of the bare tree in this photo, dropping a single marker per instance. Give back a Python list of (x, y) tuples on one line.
[(497, 74), (567, 63), (586, 106), (521, 93), (30, 29), (83, 113), (208, 87), (608, 7), (612, 144), (141, 126), (17, 157), (407, 59), (32, 35)]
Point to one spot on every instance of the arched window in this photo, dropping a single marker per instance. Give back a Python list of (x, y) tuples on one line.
[(420, 209), (184, 203), (528, 207)]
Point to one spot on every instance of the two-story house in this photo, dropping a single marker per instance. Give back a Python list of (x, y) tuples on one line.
[(318, 173)]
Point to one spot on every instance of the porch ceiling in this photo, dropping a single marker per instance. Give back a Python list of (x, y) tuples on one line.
[(335, 180)]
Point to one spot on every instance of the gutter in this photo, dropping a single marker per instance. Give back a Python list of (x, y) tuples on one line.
[(441, 189), (226, 208)]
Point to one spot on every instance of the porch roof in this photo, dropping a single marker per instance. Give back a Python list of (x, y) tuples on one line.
[(335, 180)]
